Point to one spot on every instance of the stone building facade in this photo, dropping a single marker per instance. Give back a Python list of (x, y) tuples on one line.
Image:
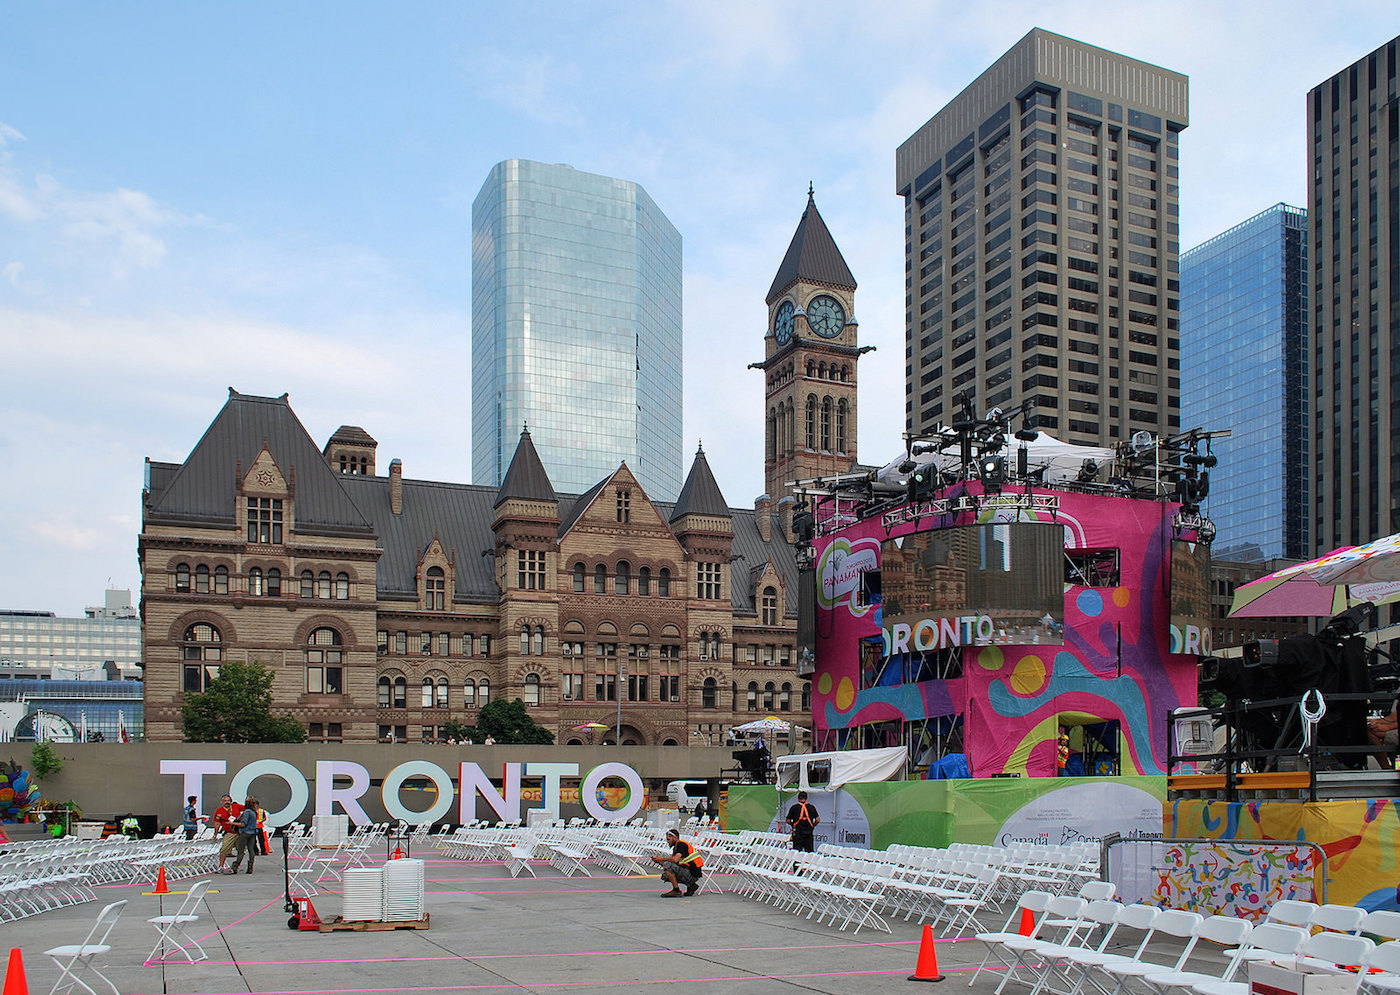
[(387, 607)]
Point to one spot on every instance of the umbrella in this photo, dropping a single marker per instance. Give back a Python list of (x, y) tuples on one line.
[(1326, 586), (592, 725), (769, 724)]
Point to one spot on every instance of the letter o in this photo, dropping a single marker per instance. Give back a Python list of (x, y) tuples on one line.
[(925, 635), (301, 795), (985, 629), (417, 768), (589, 788)]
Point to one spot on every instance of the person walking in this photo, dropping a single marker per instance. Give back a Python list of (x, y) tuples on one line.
[(246, 842), (804, 820), (224, 817), (190, 824)]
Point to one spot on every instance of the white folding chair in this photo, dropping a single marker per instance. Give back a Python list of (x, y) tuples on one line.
[(75, 958), (176, 924)]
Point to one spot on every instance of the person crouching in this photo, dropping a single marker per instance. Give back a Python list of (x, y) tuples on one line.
[(681, 867)]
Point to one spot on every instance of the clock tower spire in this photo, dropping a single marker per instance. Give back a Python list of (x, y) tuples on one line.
[(809, 365)]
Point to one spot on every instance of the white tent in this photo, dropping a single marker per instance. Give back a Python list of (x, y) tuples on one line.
[(1061, 460), (842, 767)]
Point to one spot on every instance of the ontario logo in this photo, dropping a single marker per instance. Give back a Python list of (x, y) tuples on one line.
[(839, 571)]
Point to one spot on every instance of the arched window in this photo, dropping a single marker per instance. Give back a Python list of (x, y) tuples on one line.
[(532, 689), (821, 371), (200, 653), (182, 577), (769, 693), (201, 579), (841, 425), (274, 583), (811, 421), (771, 434), (753, 696), (539, 640), (221, 580), (469, 694), (845, 373), (400, 692), (578, 578), (483, 692), (785, 698), (770, 606), (709, 693), (624, 577), (826, 424), (644, 582), (308, 584), (342, 462), (382, 688), (441, 700), (663, 583), (255, 582), (600, 579), (323, 585), (342, 587), (524, 640), (323, 662), (435, 589), (806, 696), (811, 367), (427, 698)]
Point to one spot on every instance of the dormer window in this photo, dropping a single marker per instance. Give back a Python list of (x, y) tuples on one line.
[(265, 520), (624, 505)]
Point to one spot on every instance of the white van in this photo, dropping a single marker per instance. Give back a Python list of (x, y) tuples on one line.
[(686, 793)]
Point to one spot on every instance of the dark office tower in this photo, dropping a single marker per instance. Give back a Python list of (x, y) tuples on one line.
[(1352, 208), (1041, 240)]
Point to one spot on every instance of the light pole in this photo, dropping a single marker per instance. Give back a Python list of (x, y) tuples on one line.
[(621, 676)]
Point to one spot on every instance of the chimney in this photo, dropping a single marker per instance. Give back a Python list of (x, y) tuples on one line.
[(396, 486), (785, 515), (763, 517)]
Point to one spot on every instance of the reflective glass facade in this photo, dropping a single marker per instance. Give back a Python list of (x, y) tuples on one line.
[(1244, 306), (40, 643), (576, 328)]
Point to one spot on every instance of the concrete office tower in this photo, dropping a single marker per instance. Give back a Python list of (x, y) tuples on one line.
[(1353, 207), (1244, 367), (576, 328), (1041, 244)]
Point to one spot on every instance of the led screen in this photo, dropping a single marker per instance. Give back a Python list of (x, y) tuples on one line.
[(974, 585), (1190, 598)]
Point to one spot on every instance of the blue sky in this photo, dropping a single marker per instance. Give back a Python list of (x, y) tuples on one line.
[(277, 197)]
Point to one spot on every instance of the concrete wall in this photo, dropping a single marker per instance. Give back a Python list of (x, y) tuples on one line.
[(108, 778)]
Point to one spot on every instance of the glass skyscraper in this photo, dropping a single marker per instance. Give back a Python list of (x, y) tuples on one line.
[(576, 328), (1244, 367)]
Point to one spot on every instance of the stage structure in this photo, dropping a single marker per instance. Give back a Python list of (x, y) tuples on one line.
[(1003, 604)]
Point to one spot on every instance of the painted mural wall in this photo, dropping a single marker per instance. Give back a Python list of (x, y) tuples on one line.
[(1117, 661)]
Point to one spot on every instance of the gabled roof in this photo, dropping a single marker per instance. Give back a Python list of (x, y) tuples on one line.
[(812, 256), (700, 495), (526, 477), (202, 490), (580, 505)]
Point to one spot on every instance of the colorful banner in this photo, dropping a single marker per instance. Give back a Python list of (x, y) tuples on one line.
[(935, 813)]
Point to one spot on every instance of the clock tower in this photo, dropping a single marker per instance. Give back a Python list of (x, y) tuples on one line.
[(809, 365)]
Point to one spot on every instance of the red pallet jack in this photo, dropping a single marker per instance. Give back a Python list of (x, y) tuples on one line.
[(304, 915)]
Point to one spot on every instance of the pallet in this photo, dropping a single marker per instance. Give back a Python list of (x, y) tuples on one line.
[(369, 926)]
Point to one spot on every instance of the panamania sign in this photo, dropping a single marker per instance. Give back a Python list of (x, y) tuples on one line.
[(471, 781)]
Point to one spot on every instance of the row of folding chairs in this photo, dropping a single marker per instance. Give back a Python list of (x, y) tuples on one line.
[(838, 890), (1080, 942), (40, 880)]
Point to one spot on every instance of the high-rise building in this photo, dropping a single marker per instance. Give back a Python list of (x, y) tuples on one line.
[(576, 328), (104, 645), (1353, 205), (1244, 367), (1042, 244)]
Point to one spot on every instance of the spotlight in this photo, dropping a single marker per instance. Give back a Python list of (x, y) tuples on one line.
[(907, 466), (992, 470), (1025, 433), (1088, 470)]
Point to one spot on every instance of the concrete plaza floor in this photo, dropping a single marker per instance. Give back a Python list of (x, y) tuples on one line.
[(493, 933)]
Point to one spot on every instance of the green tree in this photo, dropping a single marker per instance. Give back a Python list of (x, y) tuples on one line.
[(460, 731), (508, 723), (237, 708), (44, 760)]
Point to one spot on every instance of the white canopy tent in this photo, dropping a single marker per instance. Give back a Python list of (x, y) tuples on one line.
[(832, 770)]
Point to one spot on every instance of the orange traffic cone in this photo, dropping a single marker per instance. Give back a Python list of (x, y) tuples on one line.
[(161, 887), (927, 967), (14, 975), (398, 853), (1027, 923)]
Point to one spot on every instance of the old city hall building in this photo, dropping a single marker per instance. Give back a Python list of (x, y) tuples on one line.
[(387, 607)]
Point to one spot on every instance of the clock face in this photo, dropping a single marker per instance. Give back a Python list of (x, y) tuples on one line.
[(826, 316), (782, 324)]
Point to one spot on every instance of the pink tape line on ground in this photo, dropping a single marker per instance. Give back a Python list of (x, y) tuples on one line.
[(216, 932)]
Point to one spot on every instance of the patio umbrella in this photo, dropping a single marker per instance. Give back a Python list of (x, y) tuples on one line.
[(769, 724), (591, 726), (1325, 586)]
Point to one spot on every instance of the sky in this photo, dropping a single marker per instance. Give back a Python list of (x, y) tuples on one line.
[(276, 197)]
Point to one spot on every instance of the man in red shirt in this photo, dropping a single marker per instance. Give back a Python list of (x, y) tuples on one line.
[(224, 817)]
